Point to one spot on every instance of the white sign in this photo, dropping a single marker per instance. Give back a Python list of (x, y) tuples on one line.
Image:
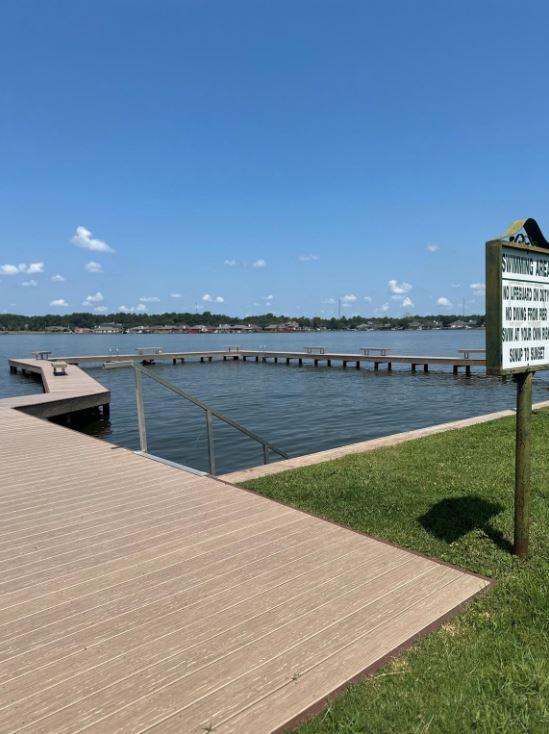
[(524, 308)]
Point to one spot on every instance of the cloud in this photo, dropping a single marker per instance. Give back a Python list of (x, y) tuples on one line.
[(133, 309), (399, 289), (384, 307), (478, 288), (432, 247), (175, 295), (90, 300), (149, 299), (230, 262), (30, 283), (407, 302), (93, 267), (259, 263), (443, 301), (329, 300), (58, 302), (207, 298), (83, 238), (31, 269), (307, 258), (368, 299), (100, 309), (267, 298), (57, 278), (349, 298)]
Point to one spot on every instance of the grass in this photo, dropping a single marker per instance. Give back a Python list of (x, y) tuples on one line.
[(449, 496)]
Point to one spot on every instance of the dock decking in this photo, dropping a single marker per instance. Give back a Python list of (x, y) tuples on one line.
[(137, 597)]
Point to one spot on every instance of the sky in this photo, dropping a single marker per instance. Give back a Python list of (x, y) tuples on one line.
[(299, 157)]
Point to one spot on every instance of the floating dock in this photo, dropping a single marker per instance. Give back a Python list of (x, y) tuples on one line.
[(136, 596)]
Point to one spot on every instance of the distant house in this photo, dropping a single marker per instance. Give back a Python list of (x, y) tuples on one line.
[(284, 327), (415, 325), (108, 328), (200, 329), (459, 324), (57, 329), (82, 330)]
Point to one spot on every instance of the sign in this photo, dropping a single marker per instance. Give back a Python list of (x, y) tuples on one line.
[(517, 338), (517, 307)]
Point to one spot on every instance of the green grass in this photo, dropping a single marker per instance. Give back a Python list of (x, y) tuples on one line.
[(449, 496)]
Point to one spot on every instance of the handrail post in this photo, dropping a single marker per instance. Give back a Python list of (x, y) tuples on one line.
[(140, 410), (265, 454), (211, 445)]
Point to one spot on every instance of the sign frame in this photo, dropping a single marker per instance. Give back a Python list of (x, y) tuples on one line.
[(494, 315)]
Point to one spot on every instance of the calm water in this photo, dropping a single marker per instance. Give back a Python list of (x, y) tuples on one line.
[(298, 409)]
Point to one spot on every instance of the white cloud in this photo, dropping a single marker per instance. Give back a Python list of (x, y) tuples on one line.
[(58, 302), (399, 289), (9, 269), (259, 263), (93, 267), (30, 283), (349, 298), (443, 301), (149, 299), (100, 309), (175, 295), (207, 298), (384, 307), (455, 285), (307, 258), (83, 238), (57, 278), (432, 247), (30, 269), (329, 300), (478, 288), (230, 262), (96, 298), (133, 309), (368, 299), (407, 302)]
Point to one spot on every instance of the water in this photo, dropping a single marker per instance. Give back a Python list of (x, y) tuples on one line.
[(300, 410)]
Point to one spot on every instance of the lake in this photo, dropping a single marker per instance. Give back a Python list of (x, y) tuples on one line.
[(300, 410)]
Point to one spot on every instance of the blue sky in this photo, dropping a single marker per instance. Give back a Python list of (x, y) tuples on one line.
[(276, 155)]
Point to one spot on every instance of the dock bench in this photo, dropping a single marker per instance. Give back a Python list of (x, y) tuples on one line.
[(315, 349), (467, 352), (59, 368), (41, 354), (382, 351), (142, 351)]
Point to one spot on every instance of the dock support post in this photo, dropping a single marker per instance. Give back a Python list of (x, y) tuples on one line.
[(106, 410), (426, 368), (210, 359), (316, 362), (468, 370), (389, 366), (376, 366), (244, 357), (263, 359), (174, 360), (224, 357), (455, 369), (328, 363), (413, 367), (300, 362), (13, 369), (357, 365), (344, 364), (257, 359), (276, 360), (202, 359), (287, 360)]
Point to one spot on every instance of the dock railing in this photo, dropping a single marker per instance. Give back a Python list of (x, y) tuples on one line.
[(210, 414)]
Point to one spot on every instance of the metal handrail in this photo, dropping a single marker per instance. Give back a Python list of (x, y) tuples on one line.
[(210, 413)]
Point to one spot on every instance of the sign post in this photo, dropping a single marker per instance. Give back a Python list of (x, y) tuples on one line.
[(517, 337)]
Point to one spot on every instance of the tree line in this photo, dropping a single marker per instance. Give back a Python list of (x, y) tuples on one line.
[(19, 322)]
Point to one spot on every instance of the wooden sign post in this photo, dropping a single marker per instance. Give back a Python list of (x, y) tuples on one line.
[(517, 337)]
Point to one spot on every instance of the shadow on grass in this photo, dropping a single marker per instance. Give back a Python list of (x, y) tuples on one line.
[(452, 518)]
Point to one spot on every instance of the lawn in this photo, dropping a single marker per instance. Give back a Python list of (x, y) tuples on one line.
[(449, 496)]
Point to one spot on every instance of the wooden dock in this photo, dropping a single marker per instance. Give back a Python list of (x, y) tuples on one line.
[(136, 596), (328, 359), (63, 394)]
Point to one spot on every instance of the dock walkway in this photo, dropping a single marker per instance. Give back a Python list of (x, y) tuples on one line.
[(138, 597)]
